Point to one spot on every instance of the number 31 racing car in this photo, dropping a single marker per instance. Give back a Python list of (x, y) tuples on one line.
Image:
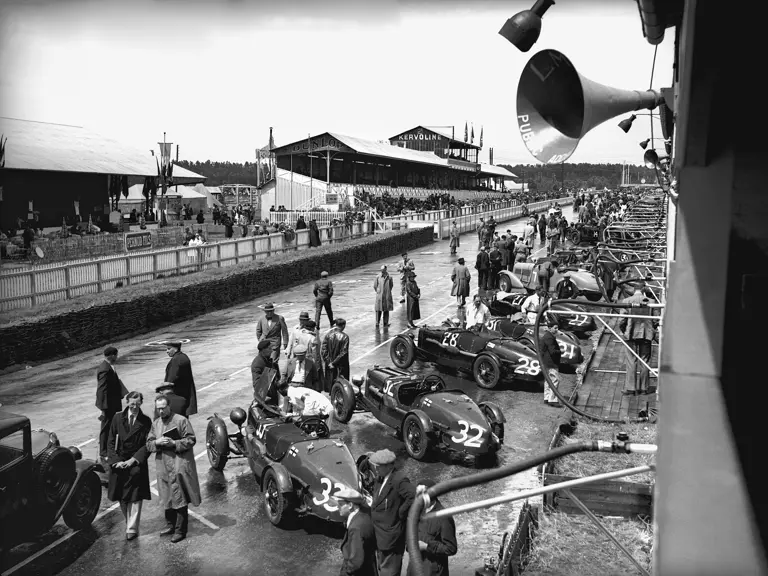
[(298, 466), (423, 411), (509, 304), (570, 350), (490, 357)]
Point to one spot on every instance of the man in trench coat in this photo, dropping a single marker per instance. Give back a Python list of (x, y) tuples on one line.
[(177, 482), (383, 288), (178, 372), (460, 278)]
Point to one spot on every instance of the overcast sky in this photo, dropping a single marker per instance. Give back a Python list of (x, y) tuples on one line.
[(215, 75)]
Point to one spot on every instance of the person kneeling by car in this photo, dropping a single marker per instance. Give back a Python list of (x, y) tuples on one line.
[(308, 402)]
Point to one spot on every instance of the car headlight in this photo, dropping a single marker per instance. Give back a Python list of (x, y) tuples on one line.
[(495, 438), (54, 439)]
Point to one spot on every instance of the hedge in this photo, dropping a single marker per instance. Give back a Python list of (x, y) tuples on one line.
[(96, 320)]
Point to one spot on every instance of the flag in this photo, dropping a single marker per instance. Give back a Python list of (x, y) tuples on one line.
[(466, 133), (472, 139), (481, 136)]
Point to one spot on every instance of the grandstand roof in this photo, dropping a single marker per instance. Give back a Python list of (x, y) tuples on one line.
[(490, 169)]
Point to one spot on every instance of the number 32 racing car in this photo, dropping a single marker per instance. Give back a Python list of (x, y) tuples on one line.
[(491, 357), (298, 466), (423, 412)]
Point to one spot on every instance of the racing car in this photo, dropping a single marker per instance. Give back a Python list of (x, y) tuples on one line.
[(567, 282), (570, 350), (490, 357), (422, 411), (579, 232), (298, 466), (504, 304)]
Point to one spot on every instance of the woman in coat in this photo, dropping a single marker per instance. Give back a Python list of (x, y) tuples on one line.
[(454, 237), (128, 466), (460, 277), (314, 234), (383, 288), (413, 294)]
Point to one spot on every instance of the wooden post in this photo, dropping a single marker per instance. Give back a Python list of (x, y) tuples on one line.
[(66, 282), (178, 262), (127, 270), (33, 288), (98, 276), (154, 266), (218, 255)]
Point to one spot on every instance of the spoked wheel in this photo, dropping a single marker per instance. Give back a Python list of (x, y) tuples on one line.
[(84, 505), (415, 437), (487, 372), (343, 403), (217, 456), (402, 352), (275, 502)]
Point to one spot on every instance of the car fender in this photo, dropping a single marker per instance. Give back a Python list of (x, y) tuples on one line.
[(498, 415), (83, 469), (346, 386), (283, 477), (425, 420)]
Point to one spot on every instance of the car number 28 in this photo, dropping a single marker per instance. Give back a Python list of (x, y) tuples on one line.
[(528, 366), (450, 339), (464, 436), (325, 496)]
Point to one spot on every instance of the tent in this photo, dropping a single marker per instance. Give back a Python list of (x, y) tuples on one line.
[(206, 191), (189, 196)]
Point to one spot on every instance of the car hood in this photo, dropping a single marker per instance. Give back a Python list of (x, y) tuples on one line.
[(509, 349), (584, 280), (447, 406)]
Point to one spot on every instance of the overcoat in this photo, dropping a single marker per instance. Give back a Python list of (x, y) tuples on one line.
[(460, 278), (179, 371), (383, 287), (129, 484), (439, 535), (177, 483), (390, 510), (314, 234), (359, 547), (455, 243), (412, 302)]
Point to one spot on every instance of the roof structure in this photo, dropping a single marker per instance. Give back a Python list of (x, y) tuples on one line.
[(444, 132), (63, 148), (496, 171)]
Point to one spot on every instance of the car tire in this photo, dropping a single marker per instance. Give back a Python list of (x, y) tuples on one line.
[(55, 473), (343, 402), (415, 437), (487, 371), (593, 297), (574, 236), (276, 504), (505, 284), (402, 352), (82, 509), (367, 476), (217, 447)]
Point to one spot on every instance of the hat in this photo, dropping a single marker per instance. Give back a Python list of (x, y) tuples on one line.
[(482, 248), (311, 324), (382, 457), (164, 386), (461, 260), (347, 494), (300, 350), (264, 344), (323, 274), (174, 343), (304, 316), (269, 307), (383, 268)]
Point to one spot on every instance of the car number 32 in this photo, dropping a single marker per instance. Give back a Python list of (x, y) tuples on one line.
[(464, 437), (325, 496)]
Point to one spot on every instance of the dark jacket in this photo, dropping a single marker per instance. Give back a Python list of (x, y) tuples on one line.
[(314, 234), (110, 390), (277, 334), (483, 261), (439, 535), (129, 484), (177, 404), (257, 367), (301, 224), (311, 379), (359, 547), (323, 289), (550, 350), (390, 510), (179, 372)]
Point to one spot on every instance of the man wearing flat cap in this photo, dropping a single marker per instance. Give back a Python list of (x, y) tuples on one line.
[(323, 292), (296, 332), (437, 539), (176, 403), (271, 328), (392, 495), (263, 361), (359, 545), (301, 371), (179, 373)]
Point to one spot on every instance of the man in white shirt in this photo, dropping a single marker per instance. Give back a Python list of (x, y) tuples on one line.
[(531, 305), (478, 313), (309, 402)]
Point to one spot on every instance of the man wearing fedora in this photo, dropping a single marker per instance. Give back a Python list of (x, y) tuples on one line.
[(177, 404), (178, 372), (392, 497), (358, 548), (271, 328), (296, 332)]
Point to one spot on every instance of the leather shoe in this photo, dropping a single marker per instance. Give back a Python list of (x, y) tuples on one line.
[(178, 538), (131, 536), (168, 531)]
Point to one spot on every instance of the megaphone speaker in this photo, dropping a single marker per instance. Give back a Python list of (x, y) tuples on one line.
[(557, 106)]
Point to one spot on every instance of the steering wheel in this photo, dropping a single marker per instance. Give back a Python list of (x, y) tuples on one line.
[(315, 425), (432, 383)]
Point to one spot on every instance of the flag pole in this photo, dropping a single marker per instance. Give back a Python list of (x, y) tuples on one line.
[(311, 187)]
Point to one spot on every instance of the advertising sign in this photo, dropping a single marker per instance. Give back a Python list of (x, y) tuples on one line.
[(332, 199), (138, 240)]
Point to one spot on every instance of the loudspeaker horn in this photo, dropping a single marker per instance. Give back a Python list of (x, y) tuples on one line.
[(557, 106)]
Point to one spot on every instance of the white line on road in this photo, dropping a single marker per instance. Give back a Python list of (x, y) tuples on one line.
[(238, 372), (194, 514), (209, 385), (86, 442)]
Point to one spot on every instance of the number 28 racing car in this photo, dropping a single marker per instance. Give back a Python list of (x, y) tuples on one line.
[(298, 466), (491, 357), (423, 412)]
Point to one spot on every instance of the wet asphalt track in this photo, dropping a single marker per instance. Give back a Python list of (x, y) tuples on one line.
[(229, 533)]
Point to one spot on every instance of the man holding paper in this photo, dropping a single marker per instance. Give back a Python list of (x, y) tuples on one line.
[(172, 440)]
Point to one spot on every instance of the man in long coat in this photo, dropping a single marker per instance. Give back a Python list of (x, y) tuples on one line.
[(272, 327), (413, 294), (454, 237), (460, 278), (382, 285), (358, 548), (437, 540), (128, 466), (178, 372), (335, 354), (172, 440), (405, 268), (109, 396)]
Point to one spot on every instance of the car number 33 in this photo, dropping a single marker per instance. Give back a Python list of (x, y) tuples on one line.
[(470, 434), (324, 499)]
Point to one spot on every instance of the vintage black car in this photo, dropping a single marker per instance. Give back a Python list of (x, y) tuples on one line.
[(490, 357), (567, 281), (41, 481), (579, 232), (298, 466), (570, 349), (422, 411), (504, 305)]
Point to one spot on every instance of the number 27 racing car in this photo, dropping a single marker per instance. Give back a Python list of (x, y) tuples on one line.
[(491, 357), (423, 412), (298, 466), (509, 304)]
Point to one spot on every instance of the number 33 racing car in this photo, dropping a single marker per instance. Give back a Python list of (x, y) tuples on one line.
[(423, 412), (490, 357), (298, 466)]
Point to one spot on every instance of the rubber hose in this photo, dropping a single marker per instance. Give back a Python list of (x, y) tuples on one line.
[(548, 380), (414, 514)]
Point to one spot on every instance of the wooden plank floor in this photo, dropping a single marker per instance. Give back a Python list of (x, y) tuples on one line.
[(601, 391)]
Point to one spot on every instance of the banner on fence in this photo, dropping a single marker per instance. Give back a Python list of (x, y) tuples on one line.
[(138, 240)]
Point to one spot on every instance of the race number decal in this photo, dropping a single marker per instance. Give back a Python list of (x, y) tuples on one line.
[(388, 388), (567, 350), (579, 320), (450, 339), (262, 429), (325, 495), (465, 438), (528, 366), (493, 324)]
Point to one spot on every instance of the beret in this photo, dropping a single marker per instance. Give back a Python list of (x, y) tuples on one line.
[(264, 344), (383, 457)]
